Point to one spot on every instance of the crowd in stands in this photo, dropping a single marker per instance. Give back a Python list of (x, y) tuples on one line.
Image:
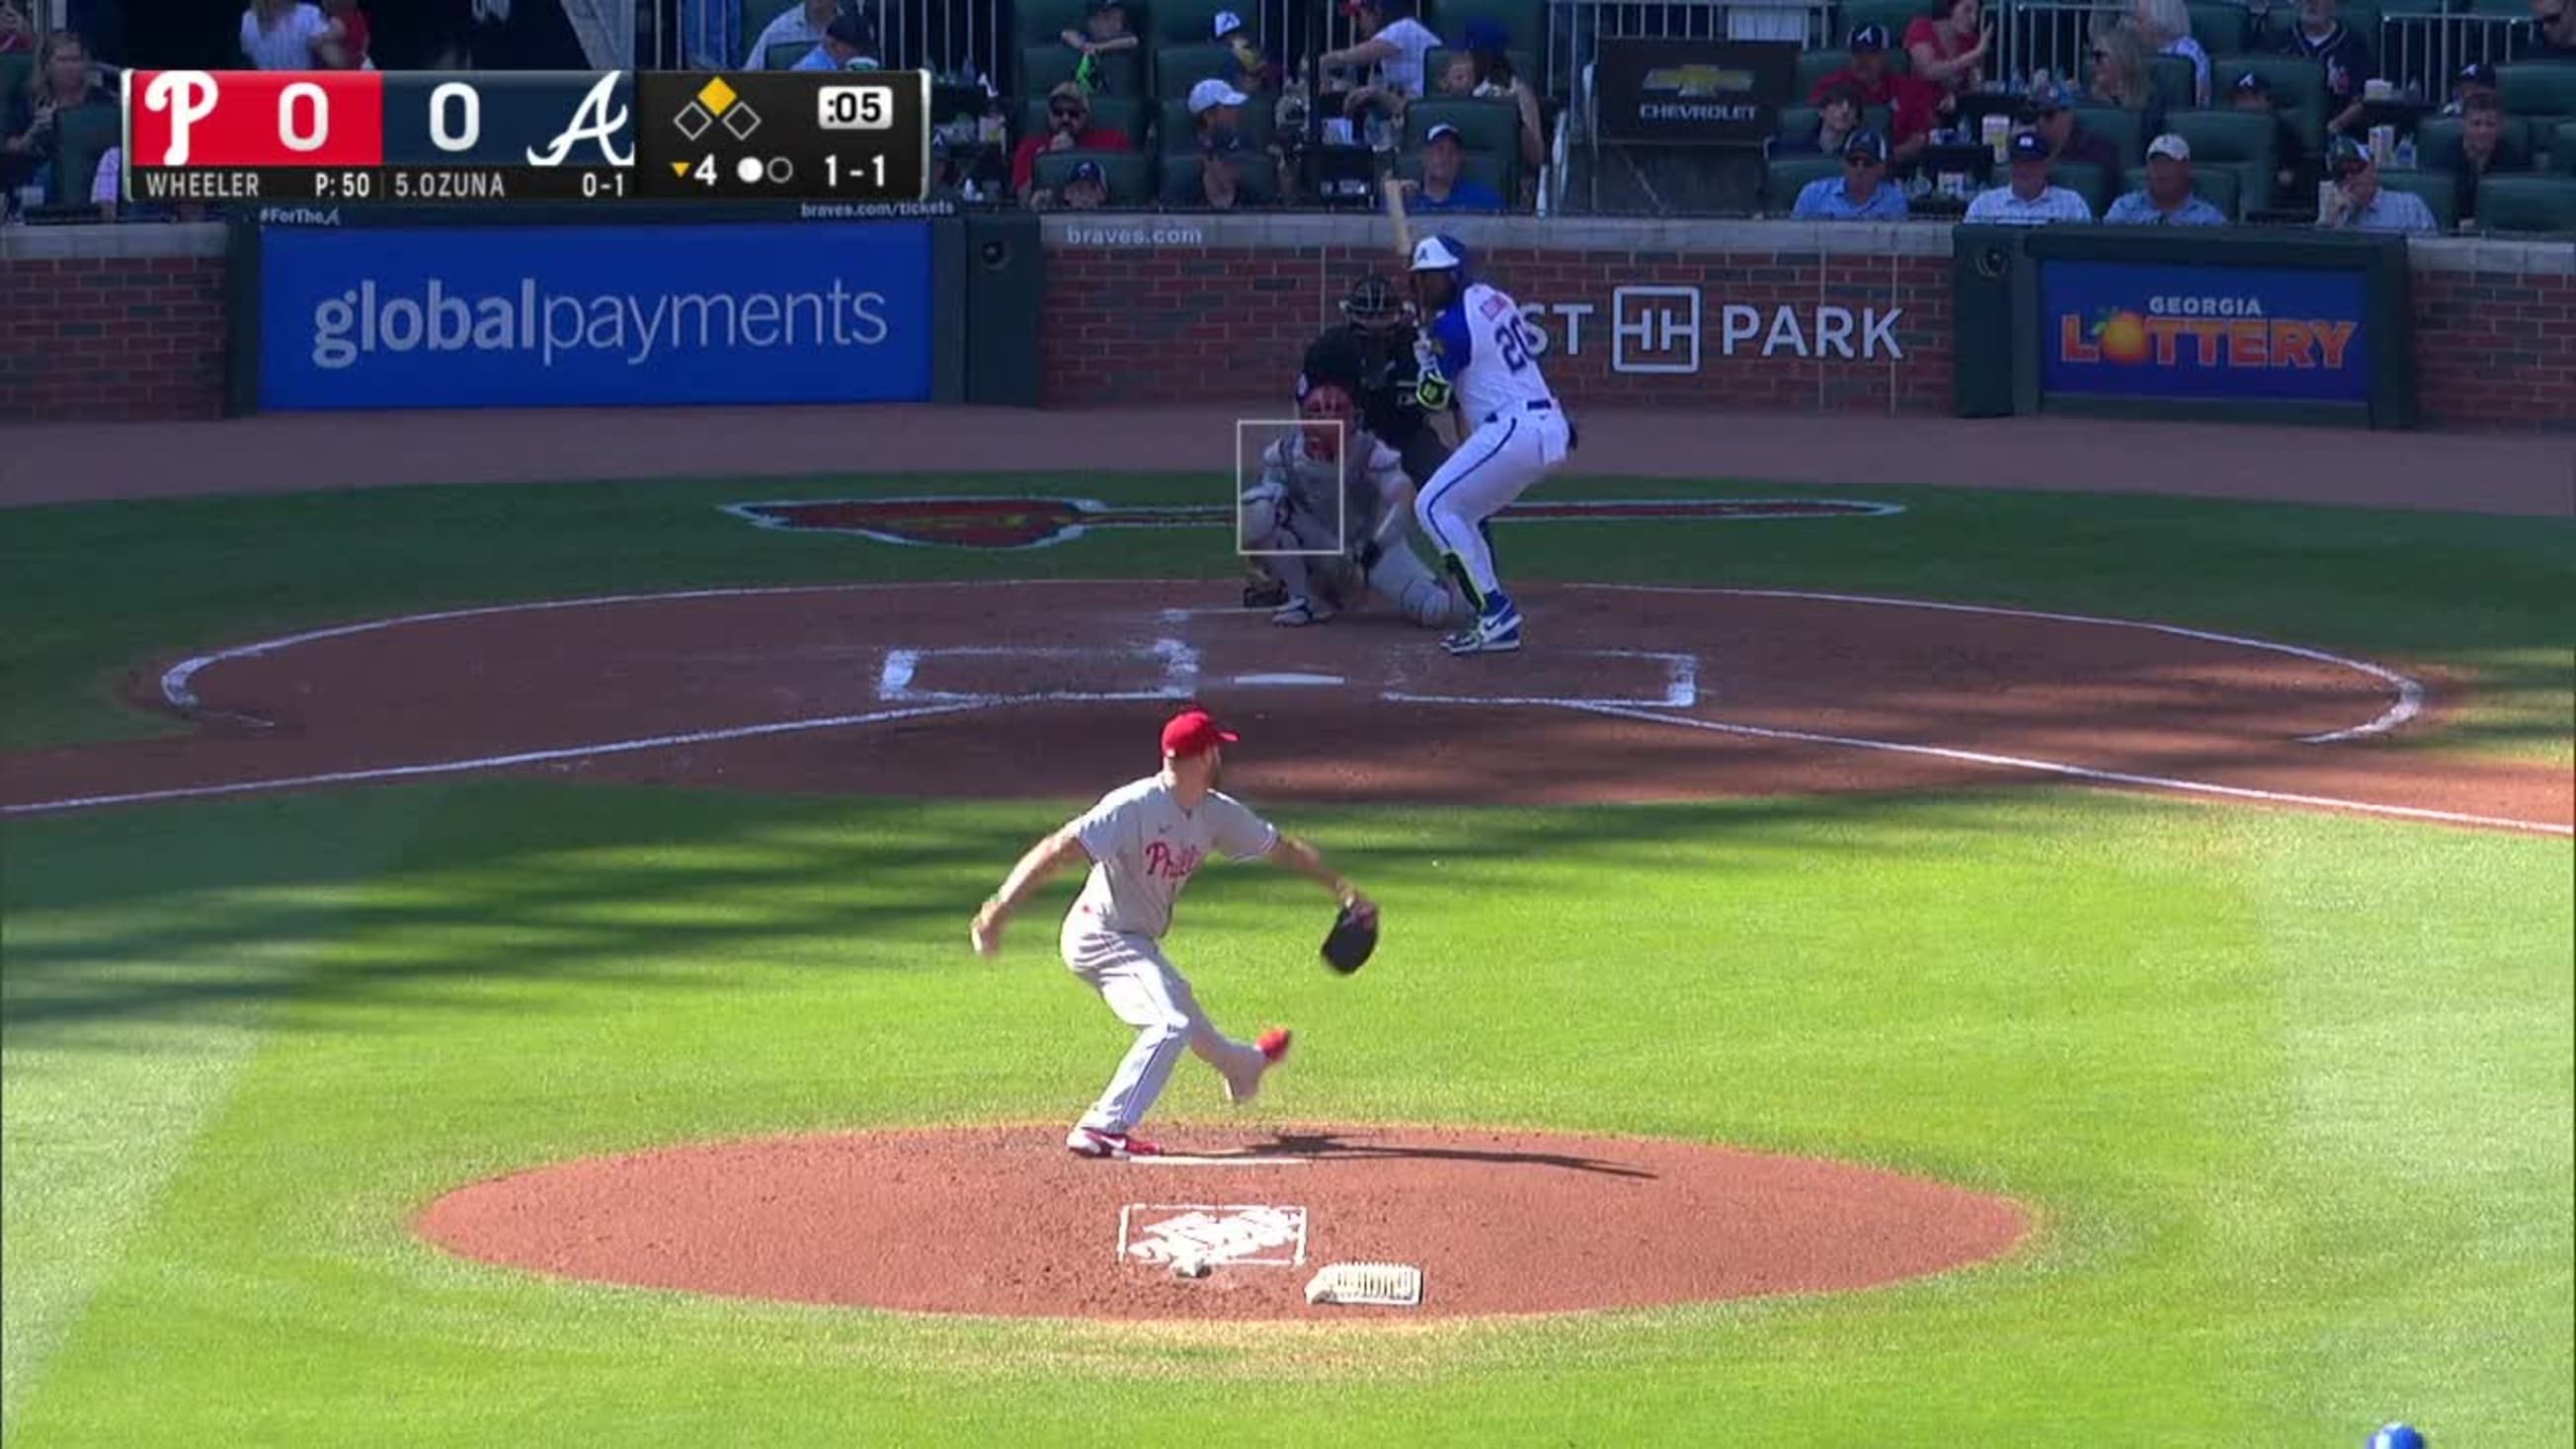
[(2182, 112)]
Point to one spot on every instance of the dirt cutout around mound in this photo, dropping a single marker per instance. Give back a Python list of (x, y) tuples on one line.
[(1004, 1221)]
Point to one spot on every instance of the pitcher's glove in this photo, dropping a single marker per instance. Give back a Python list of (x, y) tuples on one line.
[(1353, 938)]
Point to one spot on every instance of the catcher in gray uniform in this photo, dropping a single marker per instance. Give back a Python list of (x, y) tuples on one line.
[(1310, 498)]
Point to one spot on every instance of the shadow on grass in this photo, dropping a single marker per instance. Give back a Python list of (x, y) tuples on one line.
[(443, 898)]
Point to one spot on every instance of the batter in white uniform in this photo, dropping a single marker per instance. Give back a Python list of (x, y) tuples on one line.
[(1144, 841), (1328, 486), (1479, 348)]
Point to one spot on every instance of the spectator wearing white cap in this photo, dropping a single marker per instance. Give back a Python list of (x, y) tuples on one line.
[(2028, 199), (1442, 188), (2167, 199)]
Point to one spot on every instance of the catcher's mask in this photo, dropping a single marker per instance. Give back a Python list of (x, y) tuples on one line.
[(1374, 304), (1322, 405)]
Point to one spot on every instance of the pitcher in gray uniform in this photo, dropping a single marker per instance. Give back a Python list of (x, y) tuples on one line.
[(1143, 842)]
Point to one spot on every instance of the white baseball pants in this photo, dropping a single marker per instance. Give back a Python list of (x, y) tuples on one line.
[(1144, 991), (1495, 465), (1399, 578)]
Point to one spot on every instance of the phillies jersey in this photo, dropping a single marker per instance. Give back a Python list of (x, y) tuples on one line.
[(1483, 345), (1144, 847)]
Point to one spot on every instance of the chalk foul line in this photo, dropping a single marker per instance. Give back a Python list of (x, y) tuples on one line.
[(2079, 772), (497, 762), (2410, 693)]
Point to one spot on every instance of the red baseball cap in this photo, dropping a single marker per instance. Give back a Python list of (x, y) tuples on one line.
[(1194, 732)]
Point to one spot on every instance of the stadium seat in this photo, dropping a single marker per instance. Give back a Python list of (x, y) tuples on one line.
[(1130, 174), (2177, 81), (2240, 142), (2537, 90), (2528, 204), (82, 135), (1180, 186), (1179, 67), (2086, 180), (1491, 124), (1111, 113), (785, 56), (1179, 129), (2222, 28), (2562, 148), (1048, 20), (2122, 127), (1189, 22), (753, 19), (1495, 171), (2222, 187), (14, 68), (2437, 188), (1783, 179), (2437, 139)]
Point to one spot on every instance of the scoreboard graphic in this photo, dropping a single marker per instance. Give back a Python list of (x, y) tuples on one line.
[(445, 137)]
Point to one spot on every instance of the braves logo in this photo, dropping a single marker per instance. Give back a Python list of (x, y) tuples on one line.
[(1162, 860)]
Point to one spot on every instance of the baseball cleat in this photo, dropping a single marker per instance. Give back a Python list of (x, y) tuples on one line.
[(1088, 1142), (1498, 632), (1299, 612), (1265, 594), (1274, 1048)]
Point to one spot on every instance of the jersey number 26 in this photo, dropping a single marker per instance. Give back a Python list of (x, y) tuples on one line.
[(1512, 336)]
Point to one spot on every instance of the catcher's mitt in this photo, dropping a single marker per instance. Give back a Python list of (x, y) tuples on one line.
[(1352, 940)]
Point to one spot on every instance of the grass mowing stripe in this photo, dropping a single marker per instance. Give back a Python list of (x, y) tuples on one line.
[(2107, 1007), (127, 1015)]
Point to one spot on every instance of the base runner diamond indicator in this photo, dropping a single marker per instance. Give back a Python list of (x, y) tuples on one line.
[(693, 121), (742, 120)]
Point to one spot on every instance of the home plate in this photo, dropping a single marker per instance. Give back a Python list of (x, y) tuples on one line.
[(1287, 680)]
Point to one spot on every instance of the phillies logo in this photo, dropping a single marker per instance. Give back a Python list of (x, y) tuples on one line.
[(1013, 523), (1160, 861)]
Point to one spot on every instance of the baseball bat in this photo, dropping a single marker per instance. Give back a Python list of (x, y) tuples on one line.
[(1395, 213)]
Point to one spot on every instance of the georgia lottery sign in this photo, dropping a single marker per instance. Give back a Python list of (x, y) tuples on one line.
[(2119, 329)]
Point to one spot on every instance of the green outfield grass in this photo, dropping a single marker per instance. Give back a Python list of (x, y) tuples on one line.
[(2289, 1093), (2292, 1095), (90, 588)]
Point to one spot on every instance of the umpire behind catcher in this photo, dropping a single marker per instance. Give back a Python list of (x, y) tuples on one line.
[(1370, 356)]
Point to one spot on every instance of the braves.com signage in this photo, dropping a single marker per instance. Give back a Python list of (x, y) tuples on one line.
[(1692, 92), (594, 316), (2116, 329)]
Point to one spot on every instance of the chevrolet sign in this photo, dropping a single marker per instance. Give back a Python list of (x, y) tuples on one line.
[(1692, 92), (1699, 80)]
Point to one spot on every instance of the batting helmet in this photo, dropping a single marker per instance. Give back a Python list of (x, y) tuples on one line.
[(1440, 254)]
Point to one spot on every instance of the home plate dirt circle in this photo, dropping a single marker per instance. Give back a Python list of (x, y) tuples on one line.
[(1003, 1221)]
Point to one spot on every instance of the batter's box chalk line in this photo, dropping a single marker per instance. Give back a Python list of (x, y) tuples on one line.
[(1681, 685), (1382, 1285), (1179, 665)]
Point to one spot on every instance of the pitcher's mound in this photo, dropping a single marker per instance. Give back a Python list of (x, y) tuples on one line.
[(1002, 1220)]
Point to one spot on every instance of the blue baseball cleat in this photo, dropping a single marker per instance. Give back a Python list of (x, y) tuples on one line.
[(2396, 1436)]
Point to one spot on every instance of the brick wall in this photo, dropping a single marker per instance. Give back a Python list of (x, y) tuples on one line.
[(1775, 329), (1791, 317), (2495, 349), (113, 338)]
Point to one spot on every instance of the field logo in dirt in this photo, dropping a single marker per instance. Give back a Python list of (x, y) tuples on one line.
[(1242, 1236), (1014, 523)]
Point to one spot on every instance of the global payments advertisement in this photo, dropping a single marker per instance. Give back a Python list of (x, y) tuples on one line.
[(600, 316), (2269, 334)]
